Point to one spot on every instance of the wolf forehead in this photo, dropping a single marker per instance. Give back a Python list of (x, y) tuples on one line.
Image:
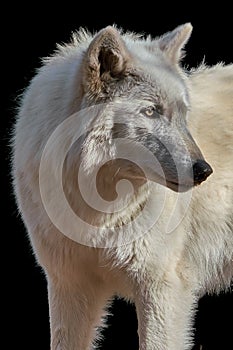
[(157, 85), (116, 64), (153, 85)]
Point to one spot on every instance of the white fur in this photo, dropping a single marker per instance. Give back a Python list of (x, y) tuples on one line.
[(163, 273)]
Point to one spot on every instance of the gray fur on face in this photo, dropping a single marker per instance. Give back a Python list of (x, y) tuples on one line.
[(146, 90)]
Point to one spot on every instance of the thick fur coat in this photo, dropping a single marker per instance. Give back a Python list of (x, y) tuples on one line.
[(122, 169)]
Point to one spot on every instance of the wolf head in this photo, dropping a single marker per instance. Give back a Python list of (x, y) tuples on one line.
[(144, 89)]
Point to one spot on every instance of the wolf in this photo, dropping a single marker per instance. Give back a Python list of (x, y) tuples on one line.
[(122, 164)]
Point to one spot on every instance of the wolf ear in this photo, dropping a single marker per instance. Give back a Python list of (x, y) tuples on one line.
[(173, 42), (106, 58)]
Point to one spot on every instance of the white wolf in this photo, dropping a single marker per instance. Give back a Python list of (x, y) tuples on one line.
[(110, 183)]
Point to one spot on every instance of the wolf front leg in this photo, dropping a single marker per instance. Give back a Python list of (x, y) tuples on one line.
[(76, 311), (164, 310)]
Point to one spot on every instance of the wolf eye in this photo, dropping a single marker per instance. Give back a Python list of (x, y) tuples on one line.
[(151, 112)]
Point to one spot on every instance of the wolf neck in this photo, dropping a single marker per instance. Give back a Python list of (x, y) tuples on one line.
[(123, 192), (118, 178), (127, 205), (108, 197)]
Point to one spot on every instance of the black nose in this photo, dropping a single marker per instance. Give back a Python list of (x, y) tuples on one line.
[(201, 170)]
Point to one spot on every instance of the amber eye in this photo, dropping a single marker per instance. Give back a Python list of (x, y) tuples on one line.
[(150, 112)]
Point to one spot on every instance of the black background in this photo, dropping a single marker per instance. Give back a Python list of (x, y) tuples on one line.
[(27, 34)]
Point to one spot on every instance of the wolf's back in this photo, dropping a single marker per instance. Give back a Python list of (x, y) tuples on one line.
[(211, 210), (211, 117)]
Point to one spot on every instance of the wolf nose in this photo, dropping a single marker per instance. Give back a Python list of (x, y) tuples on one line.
[(201, 170)]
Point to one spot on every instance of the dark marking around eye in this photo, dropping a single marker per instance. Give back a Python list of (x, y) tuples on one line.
[(152, 111)]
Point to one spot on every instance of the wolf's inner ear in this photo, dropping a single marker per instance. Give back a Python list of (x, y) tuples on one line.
[(173, 42), (106, 58)]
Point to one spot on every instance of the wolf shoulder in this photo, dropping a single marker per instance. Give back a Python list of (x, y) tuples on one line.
[(211, 116), (211, 88)]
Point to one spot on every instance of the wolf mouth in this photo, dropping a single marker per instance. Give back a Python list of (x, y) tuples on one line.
[(180, 187), (164, 181)]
